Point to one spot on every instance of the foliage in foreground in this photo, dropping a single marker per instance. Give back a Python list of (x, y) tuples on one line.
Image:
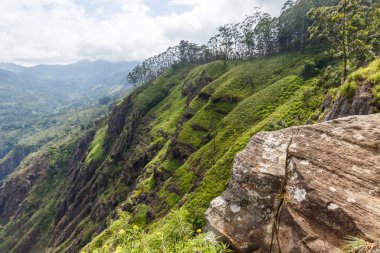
[(177, 235)]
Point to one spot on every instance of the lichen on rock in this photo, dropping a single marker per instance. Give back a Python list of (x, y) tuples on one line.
[(296, 191)]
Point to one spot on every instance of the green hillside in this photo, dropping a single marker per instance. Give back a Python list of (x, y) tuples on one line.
[(151, 180), (174, 150), (141, 178), (44, 103), (196, 138)]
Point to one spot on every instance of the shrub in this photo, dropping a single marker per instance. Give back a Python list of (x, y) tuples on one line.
[(331, 77), (310, 69)]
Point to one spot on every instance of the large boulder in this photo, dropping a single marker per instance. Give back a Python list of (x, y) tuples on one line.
[(303, 189)]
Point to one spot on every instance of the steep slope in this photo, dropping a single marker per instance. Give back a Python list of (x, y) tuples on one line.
[(359, 95), (151, 170), (43, 103), (303, 189), (29, 198)]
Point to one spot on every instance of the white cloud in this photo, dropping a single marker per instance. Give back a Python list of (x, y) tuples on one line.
[(185, 2), (61, 31)]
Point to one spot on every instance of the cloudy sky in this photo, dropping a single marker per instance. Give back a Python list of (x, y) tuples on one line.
[(64, 31)]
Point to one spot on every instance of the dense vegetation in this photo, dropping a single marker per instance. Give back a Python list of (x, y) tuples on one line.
[(200, 139), (42, 104), (350, 27), (197, 138), (148, 172)]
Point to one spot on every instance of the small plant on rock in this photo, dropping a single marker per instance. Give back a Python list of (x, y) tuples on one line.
[(357, 245)]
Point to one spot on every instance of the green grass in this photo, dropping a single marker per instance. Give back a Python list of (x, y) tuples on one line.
[(245, 97), (376, 94), (37, 212), (207, 113), (355, 244), (348, 89), (96, 147), (175, 235), (362, 76)]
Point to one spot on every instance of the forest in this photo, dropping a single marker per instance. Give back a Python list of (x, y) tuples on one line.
[(348, 28)]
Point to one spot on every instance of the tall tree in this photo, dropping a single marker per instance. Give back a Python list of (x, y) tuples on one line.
[(266, 34), (247, 38), (351, 28), (226, 39)]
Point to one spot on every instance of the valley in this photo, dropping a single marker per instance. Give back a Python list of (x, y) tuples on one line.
[(42, 104), (264, 139)]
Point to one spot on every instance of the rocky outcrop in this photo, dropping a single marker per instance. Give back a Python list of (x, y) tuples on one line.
[(191, 90), (9, 163), (361, 103), (16, 188), (303, 189), (77, 195)]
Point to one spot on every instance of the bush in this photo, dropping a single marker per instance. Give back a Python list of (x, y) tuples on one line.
[(331, 77), (310, 69), (324, 61)]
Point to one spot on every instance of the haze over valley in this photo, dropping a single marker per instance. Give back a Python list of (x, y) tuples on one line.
[(190, 126)]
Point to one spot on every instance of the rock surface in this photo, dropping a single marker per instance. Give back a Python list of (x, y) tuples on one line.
[(361, 103), (303, 189), (16, 188)]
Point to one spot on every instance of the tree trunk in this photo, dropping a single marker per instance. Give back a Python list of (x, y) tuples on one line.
[(344, 40)]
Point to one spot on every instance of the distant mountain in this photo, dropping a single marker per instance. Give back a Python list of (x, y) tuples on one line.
[(74, 81), (84, 72), (30, 94), (11, 67)]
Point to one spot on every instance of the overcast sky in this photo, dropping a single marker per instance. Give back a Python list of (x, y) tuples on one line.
[(65, 31)]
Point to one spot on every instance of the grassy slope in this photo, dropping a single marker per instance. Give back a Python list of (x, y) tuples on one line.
[(36, 216), (370, 74), (191, 131), (244, 98)]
